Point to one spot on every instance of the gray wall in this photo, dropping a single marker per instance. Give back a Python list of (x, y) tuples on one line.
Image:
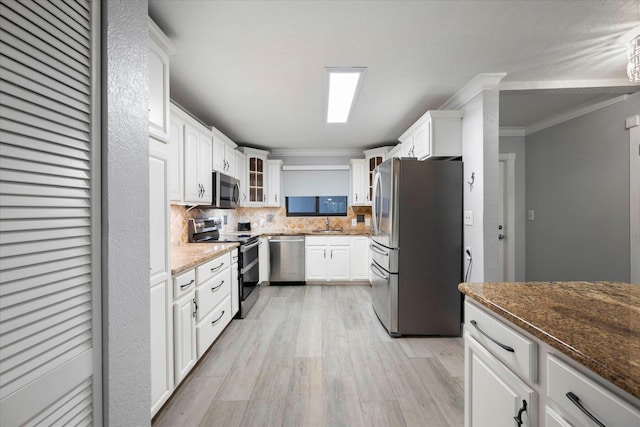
[(577, 181), (125, 210), (515, 144), (315, 183)]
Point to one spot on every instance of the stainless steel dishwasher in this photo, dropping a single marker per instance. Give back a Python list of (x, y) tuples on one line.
[(287, 259)]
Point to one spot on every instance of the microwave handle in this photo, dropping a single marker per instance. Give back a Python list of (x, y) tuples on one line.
[(236, 193)]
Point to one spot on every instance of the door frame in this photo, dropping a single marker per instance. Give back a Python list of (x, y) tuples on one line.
[(508, 194), (633, 125)]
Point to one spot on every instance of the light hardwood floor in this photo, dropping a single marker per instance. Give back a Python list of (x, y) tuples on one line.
[(318, 356)]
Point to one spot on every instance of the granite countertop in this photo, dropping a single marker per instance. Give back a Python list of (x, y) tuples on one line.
[(595, 323), (270, 232), (189, 255)]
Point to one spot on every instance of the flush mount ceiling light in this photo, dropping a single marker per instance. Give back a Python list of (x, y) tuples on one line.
[(343, 85), (633, 68)]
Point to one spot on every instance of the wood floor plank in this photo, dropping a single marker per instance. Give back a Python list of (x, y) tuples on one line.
[(218, 361), (309, 341), (304, 406), (385, 413), (227, 414), (446, 391), (189, 403), (450, 352), (342, 403), (368, 371)]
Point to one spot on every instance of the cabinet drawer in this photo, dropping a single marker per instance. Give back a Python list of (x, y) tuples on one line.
[(212, 292), (316, 240), (553, 419), (339, 240), (601, 403), (184, 283), (212, 325), (211, 268), (520, 354)]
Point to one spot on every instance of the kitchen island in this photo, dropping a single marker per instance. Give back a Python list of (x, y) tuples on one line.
[(552, 353)]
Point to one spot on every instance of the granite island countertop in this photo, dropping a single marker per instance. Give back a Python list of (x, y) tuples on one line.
[(189, 255), (595, 323)]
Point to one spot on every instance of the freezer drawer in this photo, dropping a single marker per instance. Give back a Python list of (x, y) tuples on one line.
[(384, 295)]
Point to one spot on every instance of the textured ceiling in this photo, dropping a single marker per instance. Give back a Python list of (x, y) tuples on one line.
[(255, 69)]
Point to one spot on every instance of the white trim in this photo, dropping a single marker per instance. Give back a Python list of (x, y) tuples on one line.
[(512, 131), (300, 152), (633, 124), (451, 114), (485, 81), (159, 37), (315, 167), (570, 114), (510, 221), (565, 84), (99, 371)]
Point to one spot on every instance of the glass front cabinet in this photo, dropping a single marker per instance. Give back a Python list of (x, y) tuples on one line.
[(256, 161), (373, 158)]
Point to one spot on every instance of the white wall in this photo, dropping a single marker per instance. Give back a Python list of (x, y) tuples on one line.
[(125, 236)]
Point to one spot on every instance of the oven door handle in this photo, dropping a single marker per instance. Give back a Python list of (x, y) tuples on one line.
[(245, 248), (378, 272), (249, 267)]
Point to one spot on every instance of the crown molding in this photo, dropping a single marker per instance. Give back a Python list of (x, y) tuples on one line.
[(570, 114), (301, 152), (566, 84), (485, 81), (512, 131)]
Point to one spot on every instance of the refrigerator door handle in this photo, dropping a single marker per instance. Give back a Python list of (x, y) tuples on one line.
[(378, 251), (378, 272), (377, 199)]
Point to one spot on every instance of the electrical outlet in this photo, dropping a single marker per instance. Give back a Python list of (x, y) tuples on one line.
[(468, 217), (467, 253), (531, 214), (261, 222), (354, 222), (224, 221), (367, 222)]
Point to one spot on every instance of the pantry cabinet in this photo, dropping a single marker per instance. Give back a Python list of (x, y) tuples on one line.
[(274, 171), (327, 258), (438, 133), (160, 48), (359, 189)]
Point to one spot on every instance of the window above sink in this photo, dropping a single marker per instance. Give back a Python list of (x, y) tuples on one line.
[(316, 205)]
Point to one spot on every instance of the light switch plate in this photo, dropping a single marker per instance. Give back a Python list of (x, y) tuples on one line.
[(468, 217), (531, 215)]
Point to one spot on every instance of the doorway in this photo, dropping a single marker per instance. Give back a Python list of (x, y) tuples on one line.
[(506, 217)]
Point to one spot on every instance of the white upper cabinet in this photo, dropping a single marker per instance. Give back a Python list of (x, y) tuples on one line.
[(373, 158), (256, 176), (240, 167), (223, 159), (274, 171), (159, 50), (176, 159), (438, 133), (358, 184)]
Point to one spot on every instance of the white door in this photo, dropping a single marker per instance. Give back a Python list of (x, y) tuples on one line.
[(184, 336), (506, 218), (50, 356), (316, 263), (501, 230), (192, 187)]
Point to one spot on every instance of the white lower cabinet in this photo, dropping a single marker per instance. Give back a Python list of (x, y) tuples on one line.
[(327, 258), (212, 325), (184, 312), (359, 258), (494, 394)]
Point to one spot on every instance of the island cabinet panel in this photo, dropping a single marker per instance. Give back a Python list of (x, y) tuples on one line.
[(495, 395)]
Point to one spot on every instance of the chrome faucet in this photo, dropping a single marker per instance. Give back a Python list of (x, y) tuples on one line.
[(326, 224)]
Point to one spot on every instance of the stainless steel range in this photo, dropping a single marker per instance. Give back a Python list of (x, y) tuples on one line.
[(203, 230)]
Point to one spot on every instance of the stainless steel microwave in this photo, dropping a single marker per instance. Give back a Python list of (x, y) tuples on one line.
[(225, 191)]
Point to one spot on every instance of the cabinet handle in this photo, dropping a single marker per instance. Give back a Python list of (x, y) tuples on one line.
[(220, 317), (215, 288), (186, 285), (195, 308), (218, 267), (264, 197), (506, 347), (276, 197), (518, 417), (325, 253), (331, 252), (576, 401), (356, 197)]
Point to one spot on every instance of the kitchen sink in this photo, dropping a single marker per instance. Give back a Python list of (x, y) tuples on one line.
[(335, 230)]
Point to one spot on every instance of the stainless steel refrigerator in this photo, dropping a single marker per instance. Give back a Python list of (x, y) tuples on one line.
[(416, 247)]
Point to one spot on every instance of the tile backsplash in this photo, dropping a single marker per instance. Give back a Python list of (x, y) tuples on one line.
[(259, 219)]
